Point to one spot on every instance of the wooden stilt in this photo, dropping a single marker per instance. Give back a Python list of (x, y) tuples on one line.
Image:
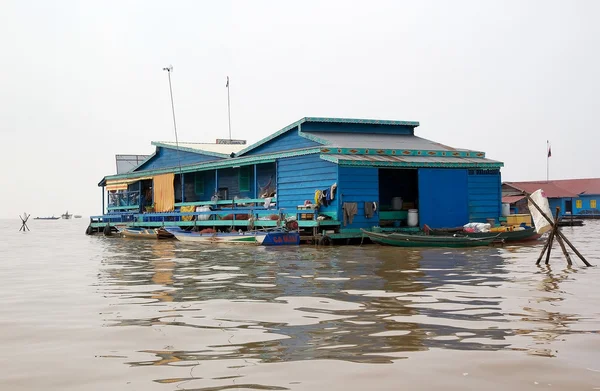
[(552, 235), (558, 233), (564, 249), (550, 242), (542, 253)]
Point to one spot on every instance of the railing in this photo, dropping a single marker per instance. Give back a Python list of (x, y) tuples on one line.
[(123, 200)]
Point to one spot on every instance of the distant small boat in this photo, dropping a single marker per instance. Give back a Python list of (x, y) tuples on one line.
[(408, 240), (46, 218), (66, 215), (77, 216), (568, 222)]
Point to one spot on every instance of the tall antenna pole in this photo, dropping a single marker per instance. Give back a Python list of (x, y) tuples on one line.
[(228, 107), (169, 69)]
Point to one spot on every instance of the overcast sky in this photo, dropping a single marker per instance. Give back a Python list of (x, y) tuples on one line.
[(83, 81)]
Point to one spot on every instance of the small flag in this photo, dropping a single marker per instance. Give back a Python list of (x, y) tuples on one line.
[(549, 150), (227, 85)]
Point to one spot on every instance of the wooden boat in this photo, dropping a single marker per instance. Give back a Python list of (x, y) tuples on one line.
[(507, 236), (264, 238), (46, 218), (144, 233), (417, 240), (568, 222)]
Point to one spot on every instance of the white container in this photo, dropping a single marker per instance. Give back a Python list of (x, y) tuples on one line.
[(505, 210), (413, 217), (203, 209), (397, 203)]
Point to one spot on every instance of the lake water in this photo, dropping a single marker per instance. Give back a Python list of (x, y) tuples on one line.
[(96, 313)]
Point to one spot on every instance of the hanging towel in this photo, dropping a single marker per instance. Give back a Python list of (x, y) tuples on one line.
[(325, 197), (369, 209), (350, 209), (317, 197), (332, 191)]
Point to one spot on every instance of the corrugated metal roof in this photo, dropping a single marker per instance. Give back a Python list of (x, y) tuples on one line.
[(561, 187), (415, 161), (512, 199), (380, 141), (224, 149)]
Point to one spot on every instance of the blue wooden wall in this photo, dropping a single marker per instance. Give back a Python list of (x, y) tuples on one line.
[(587, 202), (356, 128), (485, 195), (360, 185), (443, 197), (299, 177), (167, 157), (285, 142)]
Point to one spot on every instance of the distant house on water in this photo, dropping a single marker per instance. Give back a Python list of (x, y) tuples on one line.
[(579, 197)]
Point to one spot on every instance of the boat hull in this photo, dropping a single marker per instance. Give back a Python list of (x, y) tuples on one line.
[(145, 233), (277, 238), (403, 240), (507, 236)]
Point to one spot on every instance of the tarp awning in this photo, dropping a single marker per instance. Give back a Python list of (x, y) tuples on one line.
[(121, 184)]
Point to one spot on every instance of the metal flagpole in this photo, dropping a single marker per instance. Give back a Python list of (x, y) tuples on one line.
[(228, 107), (547, 160), (169, 69)]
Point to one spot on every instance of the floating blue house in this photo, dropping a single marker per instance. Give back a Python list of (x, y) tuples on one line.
[(332, 175), (574, 197)]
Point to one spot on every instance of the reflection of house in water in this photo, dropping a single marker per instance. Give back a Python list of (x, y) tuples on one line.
[(548, 326)]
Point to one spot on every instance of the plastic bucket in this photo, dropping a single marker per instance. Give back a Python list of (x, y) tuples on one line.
[(413, 218)]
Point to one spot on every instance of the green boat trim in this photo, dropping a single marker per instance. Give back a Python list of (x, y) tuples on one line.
[(404, 240), (507, 236)]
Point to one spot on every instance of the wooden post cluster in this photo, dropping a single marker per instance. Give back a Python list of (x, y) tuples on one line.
[(24, 219), (559, 236)]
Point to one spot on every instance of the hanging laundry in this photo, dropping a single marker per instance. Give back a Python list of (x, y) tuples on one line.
[(318, 194), (332, 191), (350, 209), (369, 209), (325, 197)]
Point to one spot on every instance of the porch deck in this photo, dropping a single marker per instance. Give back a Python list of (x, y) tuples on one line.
[(226, 213)]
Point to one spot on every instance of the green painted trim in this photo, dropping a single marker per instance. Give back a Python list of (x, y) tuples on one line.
[(145, 161), (226, 163), (131, 207), (227, 202), (367, 163), (312, 137), (326, 120), (402, 152), (270, 137), (186, 149), (361, 121), (419, 164), (214, 223)]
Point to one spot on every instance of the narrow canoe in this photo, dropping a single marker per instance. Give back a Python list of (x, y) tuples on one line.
[(144, 233), (407, 240), (273, 238)]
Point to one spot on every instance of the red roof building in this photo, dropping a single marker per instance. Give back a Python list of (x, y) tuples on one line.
[(580, 197)]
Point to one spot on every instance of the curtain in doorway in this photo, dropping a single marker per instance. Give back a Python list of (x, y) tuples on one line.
[(164, 193)]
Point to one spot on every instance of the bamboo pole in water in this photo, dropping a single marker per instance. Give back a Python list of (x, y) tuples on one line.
[(559, 233)]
